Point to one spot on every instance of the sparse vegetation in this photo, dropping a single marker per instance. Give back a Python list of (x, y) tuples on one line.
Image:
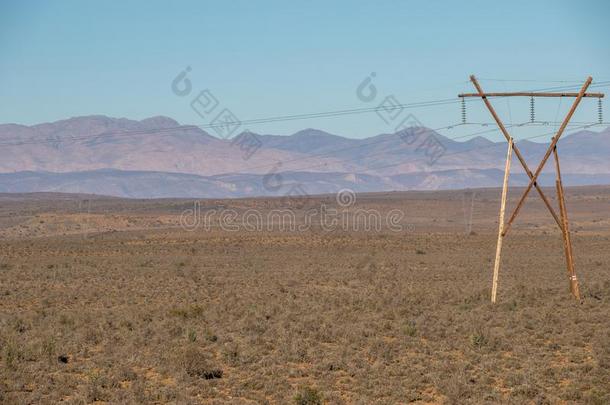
[(280, 317), (308, 396)]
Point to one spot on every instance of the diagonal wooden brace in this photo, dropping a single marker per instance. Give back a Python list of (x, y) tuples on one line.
[(567, 242), (533, 180), (517, 153)]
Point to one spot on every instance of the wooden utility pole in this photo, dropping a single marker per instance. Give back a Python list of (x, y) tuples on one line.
[(494, 287), (562, 219)]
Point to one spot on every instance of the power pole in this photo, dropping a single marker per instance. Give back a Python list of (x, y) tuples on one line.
[(562, 219)]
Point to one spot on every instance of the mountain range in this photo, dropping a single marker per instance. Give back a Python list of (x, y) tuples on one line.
[(158, 157)]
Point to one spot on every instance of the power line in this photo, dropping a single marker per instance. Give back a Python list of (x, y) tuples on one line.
[(324, 114), (576, 81), (431, 103), (376, 109)]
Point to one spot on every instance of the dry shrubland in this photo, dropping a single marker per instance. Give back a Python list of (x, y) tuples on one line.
[(151, 313)]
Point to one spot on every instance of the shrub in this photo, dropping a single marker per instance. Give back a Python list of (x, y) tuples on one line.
[(478, 339), (410, 329), (308, 396), (12, 356), (193, 311), (197, 364)]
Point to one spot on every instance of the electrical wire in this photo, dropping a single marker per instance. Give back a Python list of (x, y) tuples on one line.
[(261, 120), (528, 80), (324, 114)]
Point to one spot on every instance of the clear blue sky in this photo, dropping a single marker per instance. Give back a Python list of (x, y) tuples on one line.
[(265, 58)]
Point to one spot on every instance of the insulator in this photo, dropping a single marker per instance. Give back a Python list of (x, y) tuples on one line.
[(463, 110), (600, 111), (532, 110)]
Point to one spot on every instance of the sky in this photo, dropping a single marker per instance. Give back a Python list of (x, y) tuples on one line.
[(263, 59)]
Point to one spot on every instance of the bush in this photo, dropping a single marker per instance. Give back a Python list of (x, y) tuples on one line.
[(196, 364), (478, 339), (410, 329), (308, 396), (12, 356)]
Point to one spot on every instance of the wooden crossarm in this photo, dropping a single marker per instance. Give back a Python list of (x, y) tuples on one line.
[(531, 94)]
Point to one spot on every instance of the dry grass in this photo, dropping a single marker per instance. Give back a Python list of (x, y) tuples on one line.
[(167, 316)]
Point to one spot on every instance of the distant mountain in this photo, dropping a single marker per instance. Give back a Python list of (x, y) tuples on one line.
[(157, 157), (308, 141), (153, 144), (144, 184)]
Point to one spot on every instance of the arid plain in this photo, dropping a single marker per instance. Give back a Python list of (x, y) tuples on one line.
[(113, 300)]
